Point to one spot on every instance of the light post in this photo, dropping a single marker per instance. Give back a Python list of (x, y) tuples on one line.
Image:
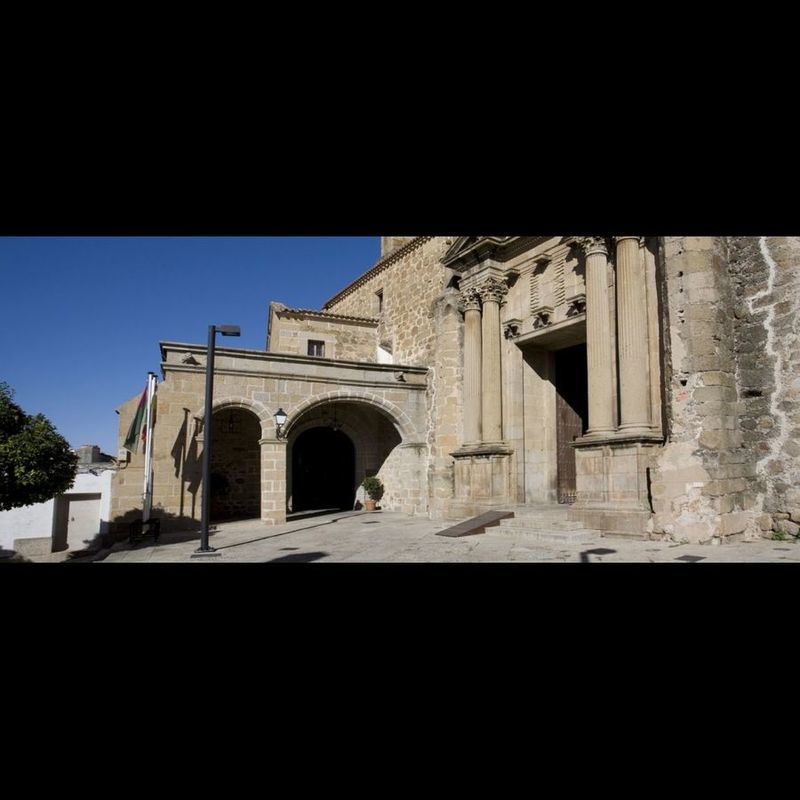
[(225, 330)]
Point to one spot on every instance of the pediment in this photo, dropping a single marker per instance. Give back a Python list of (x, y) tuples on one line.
[(467, 250)]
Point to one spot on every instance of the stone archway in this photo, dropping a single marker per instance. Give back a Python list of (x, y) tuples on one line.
[(394, 414), (235, 464), (317, 453)]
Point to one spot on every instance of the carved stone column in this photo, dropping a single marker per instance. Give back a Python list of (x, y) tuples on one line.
[(492, 292), (598, 338), (471, 303), (634, 384)]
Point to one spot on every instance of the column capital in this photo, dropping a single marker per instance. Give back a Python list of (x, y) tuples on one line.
[(470, 299), (492, 290), (639, 239), (593, 244)]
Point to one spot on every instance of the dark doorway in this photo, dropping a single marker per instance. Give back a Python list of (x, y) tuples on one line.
[(572, 414), (235, 465), (323, 470)]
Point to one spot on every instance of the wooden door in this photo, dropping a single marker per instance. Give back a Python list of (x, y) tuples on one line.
[(572, 406)]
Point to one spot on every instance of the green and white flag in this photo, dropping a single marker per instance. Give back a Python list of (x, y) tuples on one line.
[(137, 424)]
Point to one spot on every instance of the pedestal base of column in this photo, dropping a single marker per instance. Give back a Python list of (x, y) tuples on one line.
[(483, 478), (613, 483)]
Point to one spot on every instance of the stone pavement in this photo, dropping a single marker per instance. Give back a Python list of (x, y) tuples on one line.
[(392, 537)]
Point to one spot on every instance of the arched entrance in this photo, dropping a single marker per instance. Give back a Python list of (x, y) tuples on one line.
[(323, 470), (235, 465), (332, 447)]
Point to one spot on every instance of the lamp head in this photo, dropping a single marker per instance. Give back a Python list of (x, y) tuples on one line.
[(229, 330)]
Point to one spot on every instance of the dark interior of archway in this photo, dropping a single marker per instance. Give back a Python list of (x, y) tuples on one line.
[(235, 465), (323, 470)]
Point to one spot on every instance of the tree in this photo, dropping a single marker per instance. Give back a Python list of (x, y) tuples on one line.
[(36, 462)]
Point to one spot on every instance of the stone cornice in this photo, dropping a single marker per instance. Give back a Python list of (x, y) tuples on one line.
[(304, 313), (378, 267), (263, 355), (167, 366)]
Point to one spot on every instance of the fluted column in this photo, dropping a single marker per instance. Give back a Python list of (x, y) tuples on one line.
[(472, 366), (598, 338), (492, 292), (632, 336)]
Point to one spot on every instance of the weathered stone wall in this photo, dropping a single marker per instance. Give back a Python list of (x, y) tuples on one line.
[(391, 243), (411, 284), (236, 455), (702, 477), (344, 340), (445, 401), (419, 326), (765, 274)]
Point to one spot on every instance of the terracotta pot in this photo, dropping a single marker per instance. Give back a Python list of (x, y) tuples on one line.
[(369, 505)]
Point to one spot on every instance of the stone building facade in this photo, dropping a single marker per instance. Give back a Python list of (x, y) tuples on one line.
[(652, 384)]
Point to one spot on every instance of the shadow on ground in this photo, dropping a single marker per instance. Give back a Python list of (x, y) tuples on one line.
[(298, 558), (104, 544)]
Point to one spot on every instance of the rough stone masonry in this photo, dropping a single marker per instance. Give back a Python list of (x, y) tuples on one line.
[(650, 383)]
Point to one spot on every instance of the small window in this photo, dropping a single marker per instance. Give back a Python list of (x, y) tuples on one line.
[(379, 301), (316, 348)]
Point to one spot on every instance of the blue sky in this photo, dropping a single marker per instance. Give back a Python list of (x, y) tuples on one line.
[(81, 318)]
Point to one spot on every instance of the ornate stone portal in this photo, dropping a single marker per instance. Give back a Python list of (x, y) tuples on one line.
[(482, 470)]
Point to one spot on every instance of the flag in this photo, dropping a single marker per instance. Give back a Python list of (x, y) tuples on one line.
[(152, 416), (137, 424)]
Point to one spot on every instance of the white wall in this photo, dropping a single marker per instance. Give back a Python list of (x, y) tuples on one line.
[(36, 521), (28, 522)]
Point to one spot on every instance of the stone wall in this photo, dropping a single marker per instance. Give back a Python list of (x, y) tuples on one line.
[(260, 383), (445, 401), (345, 340), (765, 274), (701, 480), (411, 284)]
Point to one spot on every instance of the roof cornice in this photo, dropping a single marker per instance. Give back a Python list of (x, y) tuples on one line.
[(379, 266), (308, 312)]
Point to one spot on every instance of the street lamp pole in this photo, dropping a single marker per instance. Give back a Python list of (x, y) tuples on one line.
[(225, 330)]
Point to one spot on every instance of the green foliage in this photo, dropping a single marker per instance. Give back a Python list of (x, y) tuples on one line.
[(373, 487), (36, 462)]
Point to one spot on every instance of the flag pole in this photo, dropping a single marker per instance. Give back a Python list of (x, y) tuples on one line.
[(148, 449)]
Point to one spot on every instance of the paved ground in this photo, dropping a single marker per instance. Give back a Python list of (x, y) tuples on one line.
[(397, 538)]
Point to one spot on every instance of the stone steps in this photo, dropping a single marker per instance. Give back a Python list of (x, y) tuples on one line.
[(549, 523), (550, 535), (541, 524)]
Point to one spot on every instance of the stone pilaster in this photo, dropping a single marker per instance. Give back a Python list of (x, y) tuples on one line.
[(492, 291), (634, 383), (598, 338), (273, 481), (471, 304)]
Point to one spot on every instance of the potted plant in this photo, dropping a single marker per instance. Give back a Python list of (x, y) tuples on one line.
[(374, 489)]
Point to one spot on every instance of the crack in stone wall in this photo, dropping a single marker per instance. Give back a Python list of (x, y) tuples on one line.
[(767, 322)]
